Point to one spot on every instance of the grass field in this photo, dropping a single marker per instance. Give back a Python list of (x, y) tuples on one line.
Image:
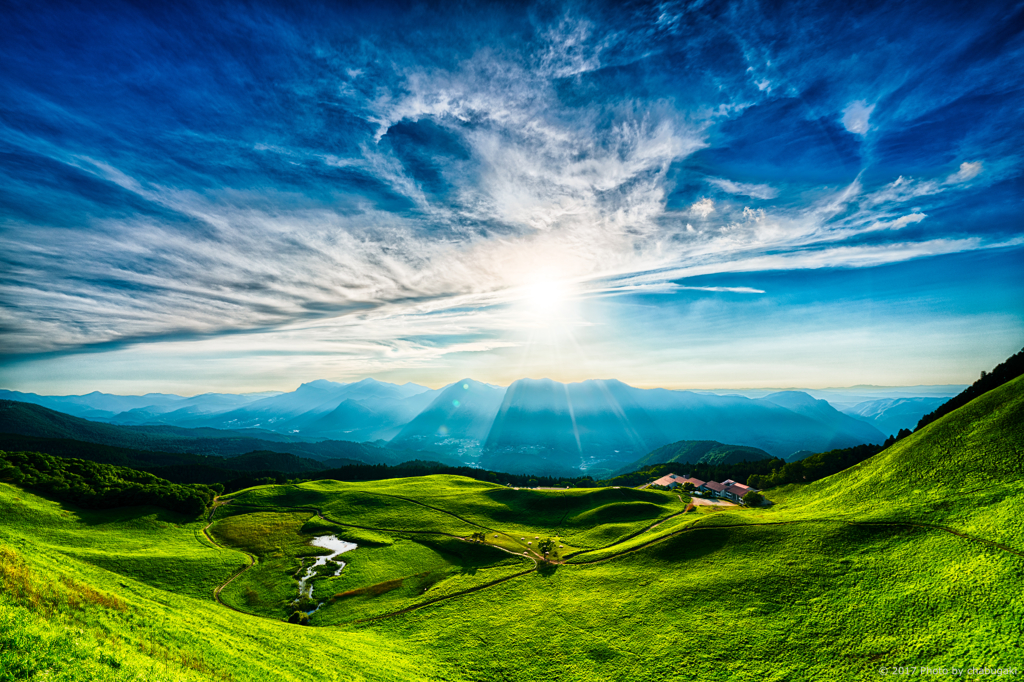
[(912, 558)]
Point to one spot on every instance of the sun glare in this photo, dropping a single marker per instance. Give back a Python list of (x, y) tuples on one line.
[(544, 297)]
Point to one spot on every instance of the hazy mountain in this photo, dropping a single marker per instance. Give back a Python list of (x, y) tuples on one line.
[(761, 423), (607, 424), (891, 415), (840, 430), (137, 409), (570, 426), (846, 397), (535, 426), (25, 419), (186, 409), (93, 405), (368, 417), (457, 421), (311, 404)]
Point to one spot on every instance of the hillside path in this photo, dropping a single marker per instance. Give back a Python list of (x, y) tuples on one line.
[(252, 558)]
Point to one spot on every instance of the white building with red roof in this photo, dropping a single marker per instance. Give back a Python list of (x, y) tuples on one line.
[(669, 481)]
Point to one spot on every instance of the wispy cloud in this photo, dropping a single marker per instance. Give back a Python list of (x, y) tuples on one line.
[(399, 195), (744, 188)]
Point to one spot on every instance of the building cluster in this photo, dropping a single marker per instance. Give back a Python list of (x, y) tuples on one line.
[(726, 490)]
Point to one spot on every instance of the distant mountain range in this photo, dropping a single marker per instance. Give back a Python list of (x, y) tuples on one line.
[(892, 414), (535, 425)]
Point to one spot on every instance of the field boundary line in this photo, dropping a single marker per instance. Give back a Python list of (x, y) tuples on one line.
[(438, 509), (446, 597), (696, 526)]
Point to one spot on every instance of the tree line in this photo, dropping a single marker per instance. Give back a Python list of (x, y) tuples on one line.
[(91, 485), (814, 467), (1004, 372)]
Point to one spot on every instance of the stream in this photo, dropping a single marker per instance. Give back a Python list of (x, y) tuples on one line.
[(337, 547)]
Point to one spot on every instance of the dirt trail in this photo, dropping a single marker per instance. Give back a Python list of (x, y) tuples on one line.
[(252, 558)]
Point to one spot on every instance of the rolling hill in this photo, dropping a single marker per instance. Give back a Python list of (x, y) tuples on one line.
[(911, 557), (965, 470)]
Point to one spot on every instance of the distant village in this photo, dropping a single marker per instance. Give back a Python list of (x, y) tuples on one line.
[(727, 490)]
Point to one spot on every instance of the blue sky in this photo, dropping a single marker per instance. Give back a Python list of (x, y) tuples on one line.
[(242, 197)]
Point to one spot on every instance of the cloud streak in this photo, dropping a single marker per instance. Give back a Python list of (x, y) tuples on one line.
[(395, 191)]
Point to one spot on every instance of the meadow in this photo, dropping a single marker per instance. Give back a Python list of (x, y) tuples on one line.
[(911, 558)]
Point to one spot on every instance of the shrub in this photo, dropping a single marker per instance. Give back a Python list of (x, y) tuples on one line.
[(753, 499)]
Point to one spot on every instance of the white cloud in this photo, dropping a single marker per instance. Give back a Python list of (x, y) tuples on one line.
[(909, 219), (902, 189), (968, 171), (580, 192), (703, 207), (857, 116), (732, 290), (746, 189)]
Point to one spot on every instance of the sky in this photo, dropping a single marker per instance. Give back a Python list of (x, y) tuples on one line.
[(243, 197)]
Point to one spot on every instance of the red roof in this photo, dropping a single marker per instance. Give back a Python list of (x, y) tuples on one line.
[(695, 481), (668, 479), (715, 485), (739, 490)]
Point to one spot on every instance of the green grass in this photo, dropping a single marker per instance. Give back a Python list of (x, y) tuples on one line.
[(964, 471), (839, 578), (155, 546), (63, 618)]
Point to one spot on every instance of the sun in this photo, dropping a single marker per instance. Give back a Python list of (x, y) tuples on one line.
[(544, 297)]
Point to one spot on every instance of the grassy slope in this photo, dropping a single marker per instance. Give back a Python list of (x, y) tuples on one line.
[(134, 630), (964, 471), (148, 544), (832, 583)]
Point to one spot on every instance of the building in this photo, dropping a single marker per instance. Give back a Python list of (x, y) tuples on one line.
[(716, 488), (736, 491), (697, 484), (669, 481), (673, 481)]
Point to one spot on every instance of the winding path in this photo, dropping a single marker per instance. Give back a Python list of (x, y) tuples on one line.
[(252, 559)]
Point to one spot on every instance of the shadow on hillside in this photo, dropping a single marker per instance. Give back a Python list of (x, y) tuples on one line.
[(99, 517), (692, 545)]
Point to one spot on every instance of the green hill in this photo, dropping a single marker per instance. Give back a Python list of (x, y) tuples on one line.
[(965, 471), (698, 452), (911, 558)]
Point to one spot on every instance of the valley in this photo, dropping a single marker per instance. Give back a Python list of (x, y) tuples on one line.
[(911, 557)]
